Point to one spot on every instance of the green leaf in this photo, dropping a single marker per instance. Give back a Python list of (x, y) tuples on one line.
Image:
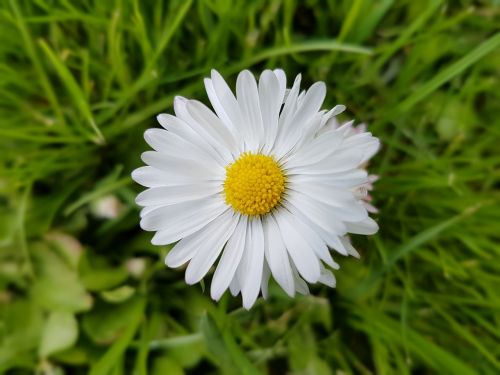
[(57, 286), (17, 338), (75, 355), (106, 322), (60, 332), (106, 363), (166, 365), (224, 348), (118, 295), (302, 348), (97, 275)]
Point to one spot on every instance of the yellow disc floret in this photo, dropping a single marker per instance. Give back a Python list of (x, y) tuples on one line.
[(254, 184)]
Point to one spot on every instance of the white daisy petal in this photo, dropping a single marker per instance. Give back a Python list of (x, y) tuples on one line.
[(300, 285), (190, 245), (330, 123), (350, 178), (334, 242), (269, 182), (339, 161), (338, 109), (230, 260), (219, 108), (317, 243), (195, 116), (281, 76), (331, 238), (311, 104), (179, 127), (281, 146), (307, 107), (315, 151), (179, 220), (210, 248), (209, 140), (183, 170), (317, 213), (367, 226), (367, 144), (310, 132), (271, 98), (213, 126), (254, 262), (348, 246), (277, 256), (300, 251), (248, 99), (234, 287), (327, 278), (173, 144), (167, 195), (146, 210), (345, 206), (346, 179), (151, 177), (225, 104)]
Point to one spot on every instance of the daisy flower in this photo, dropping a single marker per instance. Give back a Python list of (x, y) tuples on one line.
[(269, 184)]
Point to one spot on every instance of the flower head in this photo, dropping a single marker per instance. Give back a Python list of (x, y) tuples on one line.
[(267, 185)]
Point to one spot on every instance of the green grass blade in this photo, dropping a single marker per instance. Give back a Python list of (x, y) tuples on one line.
[(75, 91), (109, 360), (451, 71)]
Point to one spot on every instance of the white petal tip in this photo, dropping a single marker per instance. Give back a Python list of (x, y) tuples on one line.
[(215, 74), (191, 279), (247, 305), (180, 99), (216, 291), (160, 117), (168, 263), (321, 85), (338, 109), (172, 259), (335, 265), (216, 296), (148, 134), (136, 175), (156, 242)]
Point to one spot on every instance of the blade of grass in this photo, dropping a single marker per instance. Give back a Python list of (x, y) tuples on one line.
[(388, 329), (451, 71), (109, 360), (405, 36), (309, 46), (347, 25), (412, 244), (222, 345), (75, 91), (96, 194), (30, 50)]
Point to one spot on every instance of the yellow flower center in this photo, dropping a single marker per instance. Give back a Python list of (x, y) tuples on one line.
[(254, 184)]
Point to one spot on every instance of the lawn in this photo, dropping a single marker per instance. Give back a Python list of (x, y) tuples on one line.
[(83, 291)]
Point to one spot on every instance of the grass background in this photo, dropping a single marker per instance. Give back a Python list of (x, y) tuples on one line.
[(80, 82)]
